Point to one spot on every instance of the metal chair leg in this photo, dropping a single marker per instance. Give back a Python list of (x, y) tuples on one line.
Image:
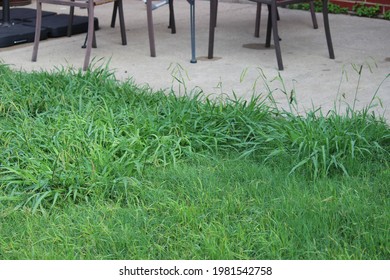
[(172, 24), (313, 15), (114, 11), (70, 21), (90, 34), (274, 15), (327, 28), (122, 21), (269, 28), (216, 13), (38, 24), (213, 19), (149, 15), (258, 19), (272, 26), (118, 5)]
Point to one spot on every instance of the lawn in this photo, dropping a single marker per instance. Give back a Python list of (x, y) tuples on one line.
[(95, 168)]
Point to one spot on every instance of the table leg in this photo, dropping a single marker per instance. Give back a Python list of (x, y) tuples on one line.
[(192, 19), (6, 17)]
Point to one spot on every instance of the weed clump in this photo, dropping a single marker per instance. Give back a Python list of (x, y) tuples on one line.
[(70, 135)]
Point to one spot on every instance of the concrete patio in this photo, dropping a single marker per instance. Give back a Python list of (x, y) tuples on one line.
[(240, 58)]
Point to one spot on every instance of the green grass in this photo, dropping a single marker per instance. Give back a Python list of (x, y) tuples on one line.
[(94, 168), (332, 8), (358, 9)]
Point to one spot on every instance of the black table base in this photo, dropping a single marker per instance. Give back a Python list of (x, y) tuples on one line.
[(12, 31), (16, 33)]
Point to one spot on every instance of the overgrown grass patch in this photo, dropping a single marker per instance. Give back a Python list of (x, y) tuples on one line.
[(94, 168)]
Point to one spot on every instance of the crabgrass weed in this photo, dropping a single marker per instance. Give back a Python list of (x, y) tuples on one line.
[(96, 168)]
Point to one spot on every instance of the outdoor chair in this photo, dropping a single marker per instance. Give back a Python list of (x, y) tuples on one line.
[(272, 26), (278, 4), (150, 6), (90, 6)]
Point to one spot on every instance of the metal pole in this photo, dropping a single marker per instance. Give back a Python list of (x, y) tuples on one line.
[(6, 17), (192, 21)]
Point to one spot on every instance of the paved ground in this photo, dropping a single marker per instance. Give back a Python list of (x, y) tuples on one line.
[(317, 80)]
